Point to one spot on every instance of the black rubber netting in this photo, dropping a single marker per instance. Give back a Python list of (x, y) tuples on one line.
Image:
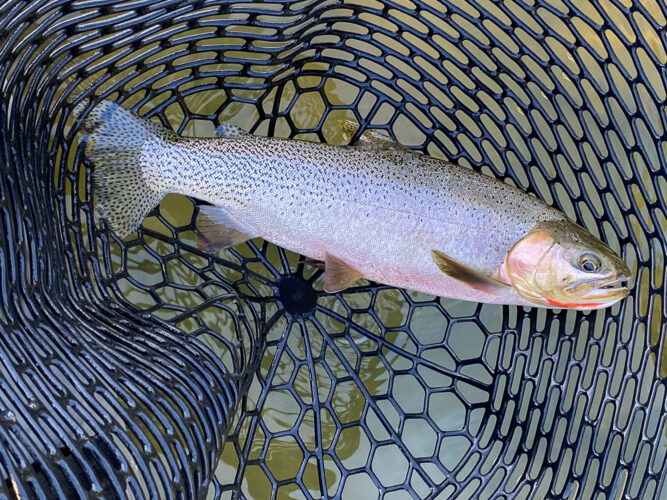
[(126, 366)]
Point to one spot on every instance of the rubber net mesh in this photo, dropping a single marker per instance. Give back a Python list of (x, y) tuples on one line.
[(151, 368)]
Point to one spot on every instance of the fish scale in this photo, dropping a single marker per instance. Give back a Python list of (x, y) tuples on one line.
[(371, 208), (311, 198)]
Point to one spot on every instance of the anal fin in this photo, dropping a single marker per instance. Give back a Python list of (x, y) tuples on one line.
[(466, 275), (217, 229), (338, 275)]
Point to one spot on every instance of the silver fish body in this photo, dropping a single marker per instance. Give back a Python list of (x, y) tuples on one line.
[(381, 211)]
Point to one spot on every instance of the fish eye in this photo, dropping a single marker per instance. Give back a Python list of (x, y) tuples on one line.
[(589, 263)]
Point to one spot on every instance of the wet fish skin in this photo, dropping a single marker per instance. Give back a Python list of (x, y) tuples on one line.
[(381, 211)]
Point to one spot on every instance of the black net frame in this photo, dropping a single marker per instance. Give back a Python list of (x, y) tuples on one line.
[(127, 366)]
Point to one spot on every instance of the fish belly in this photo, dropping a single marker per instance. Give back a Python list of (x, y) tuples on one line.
[(384, 246)]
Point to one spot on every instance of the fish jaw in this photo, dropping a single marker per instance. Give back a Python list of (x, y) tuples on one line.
[(605, 292), (574, 305)]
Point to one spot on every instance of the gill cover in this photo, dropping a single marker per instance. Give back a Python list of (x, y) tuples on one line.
[(523, 263)]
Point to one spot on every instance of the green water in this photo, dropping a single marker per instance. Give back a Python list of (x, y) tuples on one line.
[(454, 333)]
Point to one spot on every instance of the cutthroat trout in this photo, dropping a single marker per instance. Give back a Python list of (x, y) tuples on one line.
[(372, 210)]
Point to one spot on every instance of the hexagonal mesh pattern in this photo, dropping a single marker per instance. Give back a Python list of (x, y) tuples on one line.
[(126, 366)]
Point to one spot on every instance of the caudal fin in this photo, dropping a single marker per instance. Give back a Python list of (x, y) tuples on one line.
[(124, 187)]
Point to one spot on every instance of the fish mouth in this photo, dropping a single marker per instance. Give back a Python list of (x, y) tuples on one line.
[(601, 289), (617, 284)]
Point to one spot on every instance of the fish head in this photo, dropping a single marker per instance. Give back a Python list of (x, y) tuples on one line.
[(559, 264)]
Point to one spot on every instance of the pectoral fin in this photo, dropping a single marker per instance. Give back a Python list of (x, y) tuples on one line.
[(338, 275), (217, 229), (469, 276)]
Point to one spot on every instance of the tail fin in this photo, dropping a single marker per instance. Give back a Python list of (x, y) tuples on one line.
[(116, 139)]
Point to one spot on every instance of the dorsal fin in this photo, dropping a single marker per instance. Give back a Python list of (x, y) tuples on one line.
[(369, 139), (229, 131)]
